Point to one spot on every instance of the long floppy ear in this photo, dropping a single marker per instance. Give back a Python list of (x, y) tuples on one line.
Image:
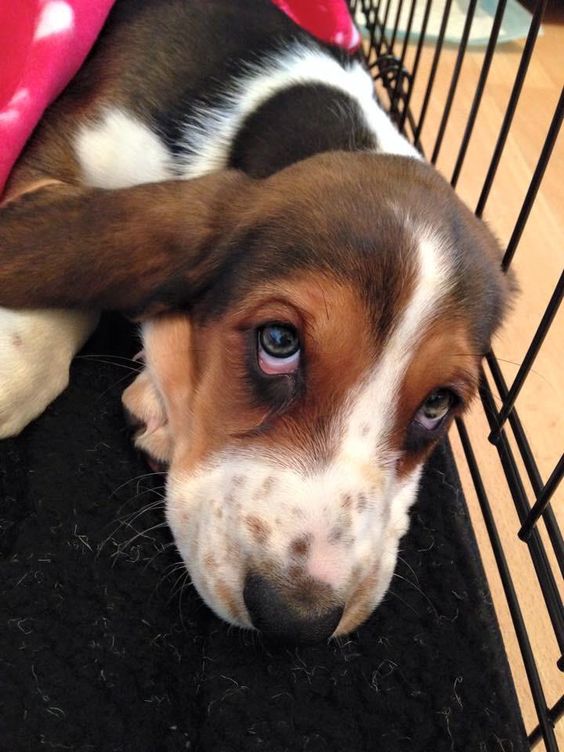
[(133, 250)]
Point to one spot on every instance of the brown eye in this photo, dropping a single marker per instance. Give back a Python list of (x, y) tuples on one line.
[(435, 408), (278, 348)]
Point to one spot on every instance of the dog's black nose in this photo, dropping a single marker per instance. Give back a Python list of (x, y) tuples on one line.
[(284, 618)]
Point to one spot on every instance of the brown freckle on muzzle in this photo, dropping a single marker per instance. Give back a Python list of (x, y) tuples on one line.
[(364, 429), (238, 480), (346, 501), (268, 484), (361, 502), (227, 597), (300, 546), (258, 528), (265, 488), (296, 573), (232, 552), (209, 561), (335, 535), (16, 340)]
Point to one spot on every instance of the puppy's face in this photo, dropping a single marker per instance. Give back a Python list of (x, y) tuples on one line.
[(297, 400)]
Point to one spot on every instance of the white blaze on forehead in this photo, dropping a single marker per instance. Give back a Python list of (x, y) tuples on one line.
[(373, 409)]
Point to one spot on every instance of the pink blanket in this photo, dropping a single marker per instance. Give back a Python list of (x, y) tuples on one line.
[(43, 43)]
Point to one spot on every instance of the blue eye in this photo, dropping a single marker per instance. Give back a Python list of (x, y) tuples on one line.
[(435, 409), (280, 341), (278, 349)]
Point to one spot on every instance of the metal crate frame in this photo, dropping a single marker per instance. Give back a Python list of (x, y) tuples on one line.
[(386, 58)]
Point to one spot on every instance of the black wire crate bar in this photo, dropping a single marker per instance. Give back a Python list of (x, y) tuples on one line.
[(396, 37)]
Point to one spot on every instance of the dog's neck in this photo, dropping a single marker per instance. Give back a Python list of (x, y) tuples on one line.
[(297, 123)]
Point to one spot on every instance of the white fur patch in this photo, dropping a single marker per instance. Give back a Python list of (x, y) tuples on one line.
[(118, 151), (208, 140)]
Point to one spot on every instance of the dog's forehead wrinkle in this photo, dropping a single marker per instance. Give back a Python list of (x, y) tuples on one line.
[(334, 244)]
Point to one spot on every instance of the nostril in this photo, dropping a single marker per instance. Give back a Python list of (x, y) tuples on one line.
[(281, 619)]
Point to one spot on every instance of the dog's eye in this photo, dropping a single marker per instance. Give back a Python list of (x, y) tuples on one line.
[(435, 408), (278, 349)]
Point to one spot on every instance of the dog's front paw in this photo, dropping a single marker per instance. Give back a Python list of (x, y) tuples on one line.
[(36, 348)]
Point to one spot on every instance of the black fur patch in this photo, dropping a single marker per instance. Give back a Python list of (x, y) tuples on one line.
[(286, 129)]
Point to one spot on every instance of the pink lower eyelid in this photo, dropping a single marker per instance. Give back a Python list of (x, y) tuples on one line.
[(273, 366), (429, 423)]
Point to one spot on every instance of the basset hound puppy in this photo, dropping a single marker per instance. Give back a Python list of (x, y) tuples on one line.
[(314, 297)]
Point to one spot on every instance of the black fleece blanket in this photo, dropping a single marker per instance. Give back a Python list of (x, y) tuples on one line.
[(105, 646)]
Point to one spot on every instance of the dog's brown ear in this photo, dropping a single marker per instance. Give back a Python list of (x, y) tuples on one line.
[(136, 249)]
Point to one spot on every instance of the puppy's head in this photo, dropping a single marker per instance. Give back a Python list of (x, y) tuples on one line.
[(316, 369)]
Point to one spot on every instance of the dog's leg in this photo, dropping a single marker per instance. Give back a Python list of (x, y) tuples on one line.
[(36, 348), (70, 246)]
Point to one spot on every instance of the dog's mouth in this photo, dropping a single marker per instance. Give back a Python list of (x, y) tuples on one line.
[(156, 466)]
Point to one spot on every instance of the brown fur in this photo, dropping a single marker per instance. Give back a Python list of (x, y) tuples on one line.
[(191, 363), (444, 358)]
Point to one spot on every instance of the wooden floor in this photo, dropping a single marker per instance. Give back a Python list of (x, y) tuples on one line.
[(538, 264)]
